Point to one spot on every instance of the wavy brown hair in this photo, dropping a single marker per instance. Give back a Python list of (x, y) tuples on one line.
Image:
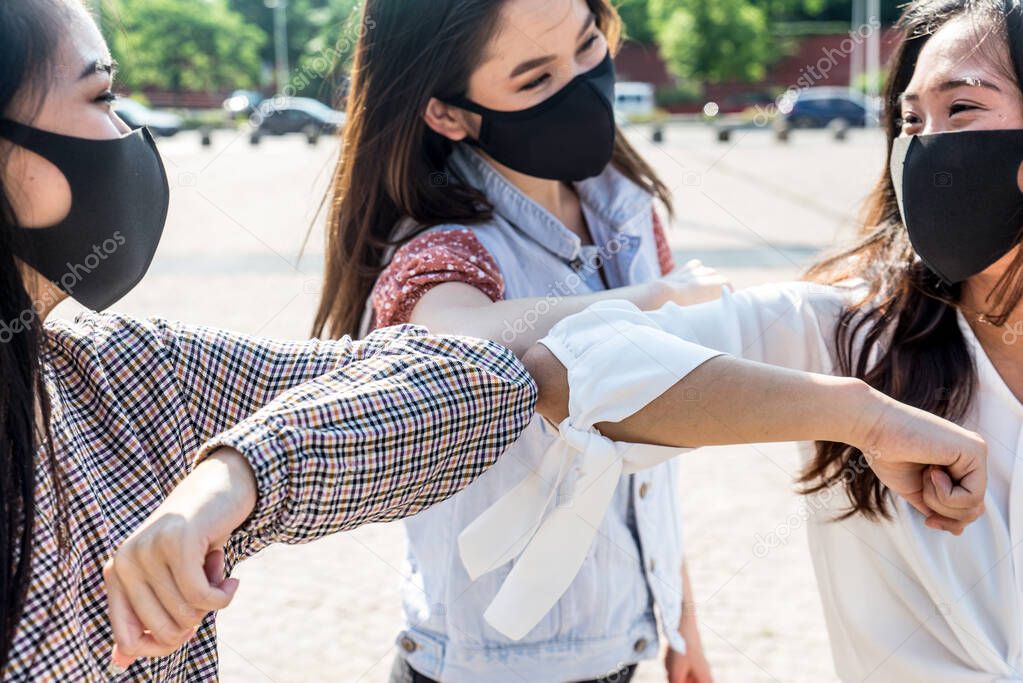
[(408, 52), (908, 318)]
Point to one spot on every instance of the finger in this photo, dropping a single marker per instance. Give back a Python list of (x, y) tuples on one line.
[(969, 490), (949, 500), (124, 624), (185, 615), (939, 523), (701, 672), (130, 639), (195, 579), (215, 567), (147, 607), (677, 665)]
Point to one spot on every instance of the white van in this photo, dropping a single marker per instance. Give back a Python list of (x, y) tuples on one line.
[(635, 99)]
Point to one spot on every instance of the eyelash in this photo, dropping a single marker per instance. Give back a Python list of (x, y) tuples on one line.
[(953, 110), (588, 45), (107, 98), (960, 108)]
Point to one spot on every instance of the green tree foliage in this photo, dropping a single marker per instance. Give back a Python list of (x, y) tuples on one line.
[(195, 45), (715, 40), (725, 40), (321, 38), (636, 17)]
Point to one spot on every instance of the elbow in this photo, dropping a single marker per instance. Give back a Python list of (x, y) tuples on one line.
[(552, 383)]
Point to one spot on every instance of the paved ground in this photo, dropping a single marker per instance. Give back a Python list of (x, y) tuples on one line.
[(758, 210)]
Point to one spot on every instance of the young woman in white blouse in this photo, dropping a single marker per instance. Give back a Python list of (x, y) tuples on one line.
[(924, 310)]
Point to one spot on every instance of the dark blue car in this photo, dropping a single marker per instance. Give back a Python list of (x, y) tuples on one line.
[(822, 107)]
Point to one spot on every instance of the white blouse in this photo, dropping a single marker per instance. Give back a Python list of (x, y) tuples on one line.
[(903, 603)]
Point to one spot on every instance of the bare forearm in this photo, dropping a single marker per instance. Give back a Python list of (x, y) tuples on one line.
[(518, 323), (727, 401)]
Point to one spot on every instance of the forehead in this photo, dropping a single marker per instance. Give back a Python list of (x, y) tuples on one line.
[(536, 28), (80, 45), (966, 47)]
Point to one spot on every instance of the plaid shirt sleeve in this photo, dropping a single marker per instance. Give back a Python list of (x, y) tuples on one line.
[(363, 432)]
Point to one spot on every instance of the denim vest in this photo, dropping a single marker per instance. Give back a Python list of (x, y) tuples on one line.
[(606, 618)]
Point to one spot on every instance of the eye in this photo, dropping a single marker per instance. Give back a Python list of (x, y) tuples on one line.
[(533, 85), (588, 45), (908, 119), (107, 97), (960, 107)]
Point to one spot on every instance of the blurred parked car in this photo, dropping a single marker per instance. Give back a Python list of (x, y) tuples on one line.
[(312, 118), (137, 115), (824, 107)]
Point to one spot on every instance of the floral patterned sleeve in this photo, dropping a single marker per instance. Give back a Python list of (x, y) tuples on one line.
[(664, 255), (430, 260)]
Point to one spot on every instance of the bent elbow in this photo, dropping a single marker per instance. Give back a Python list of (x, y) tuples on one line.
[(551, 380)]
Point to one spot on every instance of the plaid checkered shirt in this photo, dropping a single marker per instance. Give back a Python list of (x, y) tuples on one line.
[(339, 434)]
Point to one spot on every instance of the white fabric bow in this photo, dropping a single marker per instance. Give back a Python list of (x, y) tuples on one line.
[(550, 547)]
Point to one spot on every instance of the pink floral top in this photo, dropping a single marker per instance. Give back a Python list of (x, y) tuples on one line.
[(454, 256)]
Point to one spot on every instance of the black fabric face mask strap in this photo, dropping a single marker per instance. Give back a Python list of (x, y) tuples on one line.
[(18, 133)]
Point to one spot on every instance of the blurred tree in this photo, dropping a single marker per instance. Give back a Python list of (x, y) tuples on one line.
[(198, 45), (824, 10), (636, 17), (713, 41), (321, 38)]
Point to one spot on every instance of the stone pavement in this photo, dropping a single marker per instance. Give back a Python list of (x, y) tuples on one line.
[(329, 611)]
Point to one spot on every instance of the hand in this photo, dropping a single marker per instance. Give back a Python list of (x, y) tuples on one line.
[(168, 575), (691, 667), (937, 466), (693, 283)]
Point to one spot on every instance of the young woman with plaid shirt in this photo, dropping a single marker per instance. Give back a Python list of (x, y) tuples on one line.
[(177, 451)]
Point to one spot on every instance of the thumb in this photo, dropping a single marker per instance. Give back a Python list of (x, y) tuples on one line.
[(942, 482)]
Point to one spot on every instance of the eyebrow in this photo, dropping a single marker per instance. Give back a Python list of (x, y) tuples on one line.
[(954, 84), (100, 66), (540, 61)]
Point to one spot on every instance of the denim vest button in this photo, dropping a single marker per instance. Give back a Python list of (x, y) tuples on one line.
[(408, 645), (640, 645)]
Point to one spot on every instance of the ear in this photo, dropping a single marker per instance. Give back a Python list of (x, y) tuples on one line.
[(453, 123), (1019, 178)]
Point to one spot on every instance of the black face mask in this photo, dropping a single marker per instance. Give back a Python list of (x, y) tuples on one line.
[(959, 198), (119, 201), (568, 137)]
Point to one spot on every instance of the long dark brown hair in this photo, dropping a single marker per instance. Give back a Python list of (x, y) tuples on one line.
[(908, 319), (29, 33), (391, 160)]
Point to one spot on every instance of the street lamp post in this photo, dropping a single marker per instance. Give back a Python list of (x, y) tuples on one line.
[(874, 61), (280, 8), (866, 60)]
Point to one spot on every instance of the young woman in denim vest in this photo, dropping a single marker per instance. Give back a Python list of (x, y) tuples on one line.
[(485, 190)]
